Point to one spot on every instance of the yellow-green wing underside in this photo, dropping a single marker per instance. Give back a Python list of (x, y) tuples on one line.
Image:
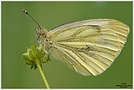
[(89, 46)]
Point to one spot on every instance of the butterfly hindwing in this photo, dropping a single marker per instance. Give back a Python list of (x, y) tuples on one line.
[(90, 46)]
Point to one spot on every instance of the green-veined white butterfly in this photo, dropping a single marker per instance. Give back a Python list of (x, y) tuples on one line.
[(88, 46)]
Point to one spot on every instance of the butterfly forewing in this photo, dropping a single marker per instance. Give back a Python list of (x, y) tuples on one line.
[(89, 46)]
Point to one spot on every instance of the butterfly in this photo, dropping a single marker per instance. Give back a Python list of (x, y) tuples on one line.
[(89, 46)]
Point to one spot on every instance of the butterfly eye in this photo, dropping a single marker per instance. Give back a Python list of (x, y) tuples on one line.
[(47, 39)]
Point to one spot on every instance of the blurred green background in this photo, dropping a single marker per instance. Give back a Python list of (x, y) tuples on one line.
[(18, 30)]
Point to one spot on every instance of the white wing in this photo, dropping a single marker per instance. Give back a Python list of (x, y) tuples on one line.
[(89, 46)]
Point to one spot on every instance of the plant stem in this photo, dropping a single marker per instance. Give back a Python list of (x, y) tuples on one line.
[(41, 72)]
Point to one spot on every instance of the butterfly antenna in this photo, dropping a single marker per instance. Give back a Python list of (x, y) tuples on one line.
[(31, 18)]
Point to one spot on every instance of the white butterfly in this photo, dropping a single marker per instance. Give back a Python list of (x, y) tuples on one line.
[(89, 46)]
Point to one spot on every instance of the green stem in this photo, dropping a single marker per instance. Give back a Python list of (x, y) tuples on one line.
[(41, 72)]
